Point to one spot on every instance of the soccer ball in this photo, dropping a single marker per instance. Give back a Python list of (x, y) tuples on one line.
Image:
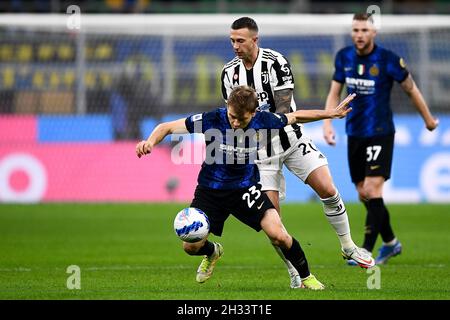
[(191, 225)]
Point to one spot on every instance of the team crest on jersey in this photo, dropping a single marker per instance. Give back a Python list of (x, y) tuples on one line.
[(374, 71), (402, 63), (361, 69), (265, 77), (257, 137)]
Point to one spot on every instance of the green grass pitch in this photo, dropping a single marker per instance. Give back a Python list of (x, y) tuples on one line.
[(130, 251)]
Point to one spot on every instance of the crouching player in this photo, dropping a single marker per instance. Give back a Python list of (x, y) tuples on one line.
[(228, 180)]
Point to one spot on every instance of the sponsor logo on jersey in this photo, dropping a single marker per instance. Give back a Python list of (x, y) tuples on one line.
[(239, 152), (361, 86), (402, 63), (360, 82), (262, 96), (286, 69)]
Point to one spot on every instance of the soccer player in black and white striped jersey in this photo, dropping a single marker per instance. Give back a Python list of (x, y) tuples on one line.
[(269, 73)]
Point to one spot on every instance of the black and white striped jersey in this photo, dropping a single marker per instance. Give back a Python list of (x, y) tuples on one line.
[(271, 72)]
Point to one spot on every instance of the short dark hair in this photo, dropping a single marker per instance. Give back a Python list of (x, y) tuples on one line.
[(244, 99), (245, 22), (363, 17)]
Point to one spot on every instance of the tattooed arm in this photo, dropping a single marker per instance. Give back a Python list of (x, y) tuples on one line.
[(283, 100)]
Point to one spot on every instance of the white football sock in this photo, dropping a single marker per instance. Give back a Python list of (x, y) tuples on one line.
[(336, 214)]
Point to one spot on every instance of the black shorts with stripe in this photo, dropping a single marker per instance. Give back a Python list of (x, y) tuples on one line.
[(369, 157), (248, 205)]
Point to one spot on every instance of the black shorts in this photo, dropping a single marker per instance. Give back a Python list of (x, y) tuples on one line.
[(248, 205), (369, 157)]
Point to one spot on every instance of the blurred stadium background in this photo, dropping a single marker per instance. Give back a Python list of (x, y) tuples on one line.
[(73, 102)]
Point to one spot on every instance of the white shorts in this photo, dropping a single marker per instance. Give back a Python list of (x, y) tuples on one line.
[(301, 159)]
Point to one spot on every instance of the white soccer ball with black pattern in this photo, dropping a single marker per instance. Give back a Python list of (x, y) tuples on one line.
[(191, 225)]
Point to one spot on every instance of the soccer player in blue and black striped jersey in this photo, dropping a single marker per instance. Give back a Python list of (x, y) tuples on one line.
[(228, 180), (369, 70)]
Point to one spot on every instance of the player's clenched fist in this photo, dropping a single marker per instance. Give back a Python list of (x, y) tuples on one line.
[(142, 148)]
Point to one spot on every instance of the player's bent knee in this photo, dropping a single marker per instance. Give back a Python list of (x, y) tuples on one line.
[(371, 192), (328, 192), (362, 195), (281, 239)]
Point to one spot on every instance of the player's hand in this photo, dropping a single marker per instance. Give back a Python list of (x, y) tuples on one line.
[(431, 125), (329, 134), (343, 108), (142, 148), (339, 112)]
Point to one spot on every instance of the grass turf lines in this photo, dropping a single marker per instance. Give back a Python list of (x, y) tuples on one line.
[(130, 251)]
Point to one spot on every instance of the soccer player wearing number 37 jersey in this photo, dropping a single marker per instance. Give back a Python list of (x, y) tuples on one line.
[(369, 71), (228, 180)]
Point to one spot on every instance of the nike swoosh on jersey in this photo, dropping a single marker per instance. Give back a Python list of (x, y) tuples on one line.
[(260, 206), (374, 167)]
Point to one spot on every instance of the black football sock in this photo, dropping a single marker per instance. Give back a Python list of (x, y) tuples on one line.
[(375, 213), (364, 201), (386, 232), (297, 257), (207, 249)]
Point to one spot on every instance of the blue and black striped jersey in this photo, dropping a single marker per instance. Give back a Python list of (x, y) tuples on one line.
[(371, 78), (230, 153)]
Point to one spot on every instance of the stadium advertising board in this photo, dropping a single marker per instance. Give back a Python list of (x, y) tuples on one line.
[(39, 171)]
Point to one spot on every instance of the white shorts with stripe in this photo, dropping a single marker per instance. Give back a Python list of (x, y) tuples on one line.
[(301, 159)]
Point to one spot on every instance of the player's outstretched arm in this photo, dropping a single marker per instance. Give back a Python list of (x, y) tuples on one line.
[(159, 133), (409, 86), (303, 116)]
